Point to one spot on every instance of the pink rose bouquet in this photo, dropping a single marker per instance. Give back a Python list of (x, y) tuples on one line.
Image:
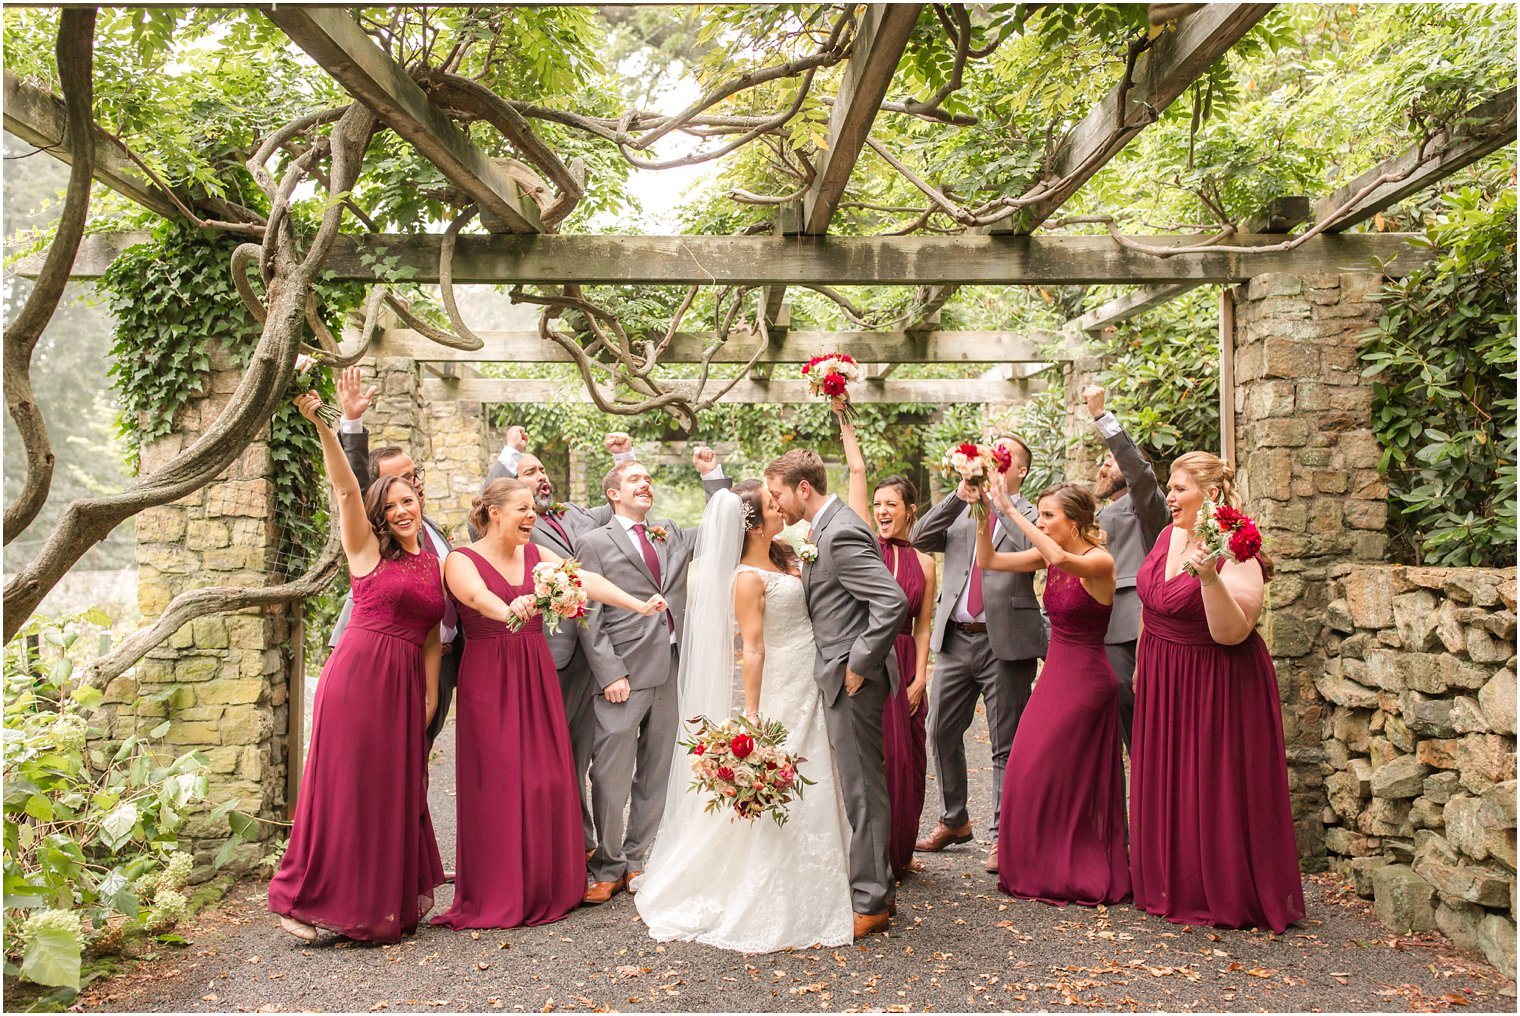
[(744, 768)]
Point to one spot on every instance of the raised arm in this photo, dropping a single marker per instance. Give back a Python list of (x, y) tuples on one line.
[(354, 401), (1002, 560), (860, 495), (749, 611), (360, 545), (1139, 478), (930, 533), (1087, 566)]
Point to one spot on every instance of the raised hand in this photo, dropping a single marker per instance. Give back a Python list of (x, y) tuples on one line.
[(517, 437), (704, 459), (967, 493), (352, 399), (1093, 396), (618, 443), (308, 405)]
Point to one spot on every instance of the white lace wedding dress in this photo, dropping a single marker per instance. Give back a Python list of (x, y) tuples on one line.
[(752, 886)]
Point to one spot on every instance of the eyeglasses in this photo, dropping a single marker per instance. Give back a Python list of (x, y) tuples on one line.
[(415, 476)]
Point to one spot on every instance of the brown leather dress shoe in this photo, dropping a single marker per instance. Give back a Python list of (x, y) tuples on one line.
[(870, 924), (601, 892), (632, 889), (942, 837), (992, 860)]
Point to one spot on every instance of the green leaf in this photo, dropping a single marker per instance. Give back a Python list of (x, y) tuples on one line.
[(51, 957), (243, 826), (116, 828), (161, 729)]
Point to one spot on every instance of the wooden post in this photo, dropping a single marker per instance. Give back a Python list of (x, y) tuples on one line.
[(1227, 375)]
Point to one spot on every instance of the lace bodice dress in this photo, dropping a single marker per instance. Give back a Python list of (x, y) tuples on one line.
[(753, 886)]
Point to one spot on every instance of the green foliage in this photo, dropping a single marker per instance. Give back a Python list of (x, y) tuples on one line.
[(90, 849), (1443, 356)]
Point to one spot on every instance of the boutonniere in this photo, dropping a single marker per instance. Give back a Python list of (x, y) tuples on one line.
[(656, 533), (447, 530), (557, 509), (808, 552)]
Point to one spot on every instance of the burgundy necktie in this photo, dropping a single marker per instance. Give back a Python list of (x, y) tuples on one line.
[(550, 519), (652, 561), (974, 596)]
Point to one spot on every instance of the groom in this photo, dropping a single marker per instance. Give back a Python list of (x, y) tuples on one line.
[(857, 610)]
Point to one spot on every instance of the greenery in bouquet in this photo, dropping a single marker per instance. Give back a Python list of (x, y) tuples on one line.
[(743, 767)]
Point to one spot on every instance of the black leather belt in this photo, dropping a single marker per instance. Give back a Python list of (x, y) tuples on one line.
[(970, 627)]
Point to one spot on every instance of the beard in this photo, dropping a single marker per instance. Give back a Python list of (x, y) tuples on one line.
[(542, 500), (1109, 488)]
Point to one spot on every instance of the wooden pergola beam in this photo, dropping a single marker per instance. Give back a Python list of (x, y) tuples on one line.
[(1280, 216), (1162, 73), (931, 392), (796, 348), (1484, 129), (340, 47), (38, 118), (852, 260), (880, 39)]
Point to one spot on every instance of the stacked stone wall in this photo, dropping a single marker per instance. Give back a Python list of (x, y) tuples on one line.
[(219, 681), (1419, 733), (1307, 468)]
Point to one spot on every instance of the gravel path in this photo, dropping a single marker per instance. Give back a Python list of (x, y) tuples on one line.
[(957, 945)]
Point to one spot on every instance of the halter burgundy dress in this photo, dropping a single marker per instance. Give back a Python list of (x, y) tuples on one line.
[(1212, 825), (362, 860), (520, 860), (1062, 838)]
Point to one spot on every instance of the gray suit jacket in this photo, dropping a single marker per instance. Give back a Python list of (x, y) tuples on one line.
[(1132, 523), (1016, 629), (856, 605), (623, 643), (576, 521)]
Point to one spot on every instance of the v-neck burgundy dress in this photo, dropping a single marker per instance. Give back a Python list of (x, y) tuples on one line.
[(1211, 827)]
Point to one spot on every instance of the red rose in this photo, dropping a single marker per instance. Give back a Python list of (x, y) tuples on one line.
[(1002, 458), (834, 385), (1245, 541), (741, 745), (700, 749), (969, 450), (725, 774), (1229, 519)]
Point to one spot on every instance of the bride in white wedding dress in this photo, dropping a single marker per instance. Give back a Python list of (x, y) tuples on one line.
[(749, 885)]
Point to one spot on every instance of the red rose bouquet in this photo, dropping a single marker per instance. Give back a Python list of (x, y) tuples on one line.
[(829, 376), (1224, 530), (557, 593), (743, 767)]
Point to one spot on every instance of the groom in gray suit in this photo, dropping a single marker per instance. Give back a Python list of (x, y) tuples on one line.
[(633, 660), (988, 638), (857, 609)]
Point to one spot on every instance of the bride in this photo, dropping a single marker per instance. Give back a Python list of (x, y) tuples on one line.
[(749, 885)]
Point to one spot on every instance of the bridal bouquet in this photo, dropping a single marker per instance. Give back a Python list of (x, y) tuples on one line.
[(557, 594), (1222, 529), (743, 767), (829, 376), (974, 463)]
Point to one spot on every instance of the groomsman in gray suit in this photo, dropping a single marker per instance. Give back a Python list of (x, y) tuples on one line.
[(633, 660), (989, 636), (1132, 521), (857, 609)]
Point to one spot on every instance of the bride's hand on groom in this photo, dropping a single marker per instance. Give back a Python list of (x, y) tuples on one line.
[(654, 605), (852, 682)]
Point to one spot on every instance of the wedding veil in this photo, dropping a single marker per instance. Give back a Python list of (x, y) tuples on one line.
[(705, 681)]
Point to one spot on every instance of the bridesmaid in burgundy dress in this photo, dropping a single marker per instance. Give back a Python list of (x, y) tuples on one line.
[(893, 506), (520, 859), (1063, 838), (1213, 828), (362, 860)]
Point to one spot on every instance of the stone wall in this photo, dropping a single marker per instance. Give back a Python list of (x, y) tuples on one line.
[(1419, 731), (457, 462), (220, 681), (1307, 468)]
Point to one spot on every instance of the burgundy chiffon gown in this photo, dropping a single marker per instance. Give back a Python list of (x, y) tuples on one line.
[(1063, 836), (362, 860), (520, 860), (902, 735), (1212, 826)]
